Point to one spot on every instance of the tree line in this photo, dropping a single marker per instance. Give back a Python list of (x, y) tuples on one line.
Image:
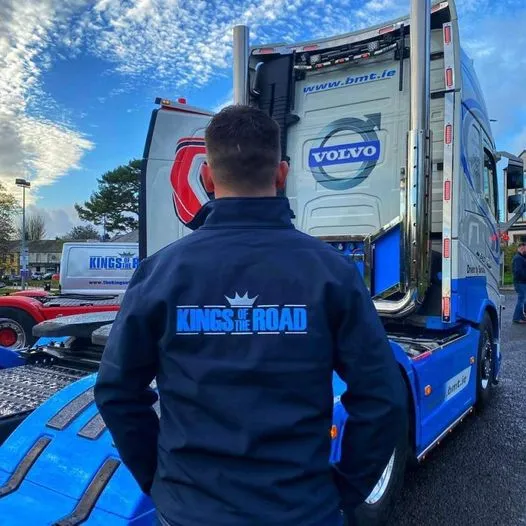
[(113, 209)]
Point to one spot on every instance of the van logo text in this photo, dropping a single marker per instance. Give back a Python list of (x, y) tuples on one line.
[(113, 263)]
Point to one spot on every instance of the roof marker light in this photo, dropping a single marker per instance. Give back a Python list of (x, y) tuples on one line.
[(447, 34), (386, 29), (448, 135), (446, 307), (447, 190), (449, 77), (447, 244)]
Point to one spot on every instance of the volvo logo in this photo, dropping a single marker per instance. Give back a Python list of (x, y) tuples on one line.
[(327, 154)]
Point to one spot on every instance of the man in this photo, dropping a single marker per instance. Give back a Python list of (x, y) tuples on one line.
[(242, 323), (519, 281)]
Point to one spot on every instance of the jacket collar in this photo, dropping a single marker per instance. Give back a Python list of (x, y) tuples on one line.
[(244, 212)]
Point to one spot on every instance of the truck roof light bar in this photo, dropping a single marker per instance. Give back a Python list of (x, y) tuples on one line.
[(343, 40), (169, 102), (344, 60)]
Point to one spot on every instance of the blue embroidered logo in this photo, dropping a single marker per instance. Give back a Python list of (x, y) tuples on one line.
[(241, 317)]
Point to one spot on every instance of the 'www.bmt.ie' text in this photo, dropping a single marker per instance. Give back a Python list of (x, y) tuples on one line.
[(350, 81)]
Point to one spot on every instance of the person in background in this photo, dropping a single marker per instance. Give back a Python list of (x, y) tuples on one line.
[(519, 282), (242, 323)]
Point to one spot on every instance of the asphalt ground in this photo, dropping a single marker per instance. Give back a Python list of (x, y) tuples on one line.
[(477, 476)]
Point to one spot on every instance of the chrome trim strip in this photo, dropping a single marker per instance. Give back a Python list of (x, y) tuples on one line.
[(443, 434), (447, 205)]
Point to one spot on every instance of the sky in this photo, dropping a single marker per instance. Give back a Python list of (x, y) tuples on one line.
[(78, 78)]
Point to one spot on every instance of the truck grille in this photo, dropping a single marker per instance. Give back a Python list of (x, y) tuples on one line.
[(24, 388)]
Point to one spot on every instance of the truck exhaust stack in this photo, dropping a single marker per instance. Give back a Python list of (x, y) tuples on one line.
[(240, 53)]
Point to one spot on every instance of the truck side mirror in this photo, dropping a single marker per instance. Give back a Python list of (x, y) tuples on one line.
[(514, 201), (515, 175)]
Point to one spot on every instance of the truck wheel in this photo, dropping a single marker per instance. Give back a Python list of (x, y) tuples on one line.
[(379, 505), (16, 328), (485, 362)]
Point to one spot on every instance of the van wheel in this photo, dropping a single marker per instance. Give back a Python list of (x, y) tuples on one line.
[(379, 505), (485, 362), (16, 328)]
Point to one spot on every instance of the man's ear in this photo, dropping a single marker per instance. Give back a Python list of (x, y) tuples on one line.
[(281, 176), (206, 176)]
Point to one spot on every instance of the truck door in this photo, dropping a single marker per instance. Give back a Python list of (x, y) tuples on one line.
[(171, 187)]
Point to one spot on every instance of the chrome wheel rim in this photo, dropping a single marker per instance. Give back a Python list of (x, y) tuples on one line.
[(381, 486), (485, 375), (16, 328)]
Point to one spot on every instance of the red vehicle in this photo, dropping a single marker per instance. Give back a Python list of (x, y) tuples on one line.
[(20, 311)]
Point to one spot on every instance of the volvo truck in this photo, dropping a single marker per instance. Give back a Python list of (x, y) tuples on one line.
[(393, 163)]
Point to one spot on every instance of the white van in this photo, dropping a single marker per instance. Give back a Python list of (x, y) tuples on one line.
[(97, 268)]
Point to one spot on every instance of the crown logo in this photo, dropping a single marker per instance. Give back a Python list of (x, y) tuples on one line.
[(126, 254), (241, 301)]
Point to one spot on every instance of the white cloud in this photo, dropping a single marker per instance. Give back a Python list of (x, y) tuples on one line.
[(31, 145), (179, 45), (58, 221), (225, 101)]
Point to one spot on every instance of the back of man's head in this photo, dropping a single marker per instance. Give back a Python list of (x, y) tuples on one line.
[(243, 150)]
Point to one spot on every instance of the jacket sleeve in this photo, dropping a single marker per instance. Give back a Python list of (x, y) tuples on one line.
[(375, 398), (122, 390)]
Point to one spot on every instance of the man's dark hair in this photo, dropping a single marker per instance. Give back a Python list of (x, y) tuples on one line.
[(243, 147), (521, 245)]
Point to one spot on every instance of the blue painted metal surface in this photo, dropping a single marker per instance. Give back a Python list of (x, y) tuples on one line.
[(10, 358), (339, 387), (452, 377), (61, 474), (387, 261), (354, 250)]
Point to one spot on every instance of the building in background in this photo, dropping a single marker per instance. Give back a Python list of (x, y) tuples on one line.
[(517, 233), (130, 237), (44, 257)]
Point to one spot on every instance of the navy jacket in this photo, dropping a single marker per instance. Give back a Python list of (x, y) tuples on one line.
[(518, 266), (242, 323)]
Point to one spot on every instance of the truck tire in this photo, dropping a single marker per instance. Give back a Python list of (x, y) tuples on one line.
[(16, 328), (485, 359), (377, 508)]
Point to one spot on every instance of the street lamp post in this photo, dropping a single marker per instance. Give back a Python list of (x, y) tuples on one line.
[(24, 256)]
